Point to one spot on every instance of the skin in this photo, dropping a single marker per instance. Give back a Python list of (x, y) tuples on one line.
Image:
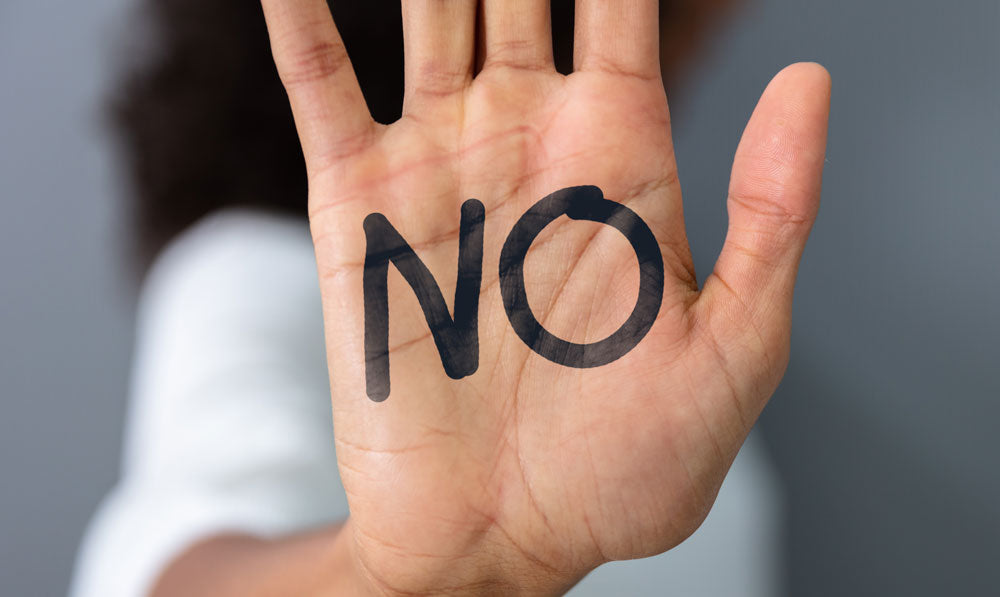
[(527, 475)]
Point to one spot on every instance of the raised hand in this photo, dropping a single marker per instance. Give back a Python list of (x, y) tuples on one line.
[(527, 474)]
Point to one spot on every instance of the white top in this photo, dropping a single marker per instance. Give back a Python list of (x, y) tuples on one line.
[(230, 429)]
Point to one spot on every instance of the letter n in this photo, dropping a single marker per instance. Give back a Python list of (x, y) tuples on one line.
[(457, 339)]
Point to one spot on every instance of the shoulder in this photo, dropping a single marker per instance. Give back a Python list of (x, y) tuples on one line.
[(233, 273), (238, 247), (230, 325)]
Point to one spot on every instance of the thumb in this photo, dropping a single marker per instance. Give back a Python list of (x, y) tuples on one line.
[(773, 201)]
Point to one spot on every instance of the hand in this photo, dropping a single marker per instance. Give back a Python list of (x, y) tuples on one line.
[(527, 474)]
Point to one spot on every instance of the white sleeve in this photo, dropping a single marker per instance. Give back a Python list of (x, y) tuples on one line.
[(230, 427)]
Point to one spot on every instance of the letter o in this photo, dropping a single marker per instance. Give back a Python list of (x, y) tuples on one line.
[(581, 203)]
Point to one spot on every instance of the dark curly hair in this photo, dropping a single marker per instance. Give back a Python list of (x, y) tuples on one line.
[(205, 123)]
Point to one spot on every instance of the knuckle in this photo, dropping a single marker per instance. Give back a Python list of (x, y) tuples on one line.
[(768, 207), (438, 80), (620, 68), (315, 62), (517, 54)]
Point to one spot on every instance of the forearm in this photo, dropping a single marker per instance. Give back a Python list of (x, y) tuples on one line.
[(313, 564)]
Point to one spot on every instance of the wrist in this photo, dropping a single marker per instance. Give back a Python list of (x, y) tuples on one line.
[(386, 571)]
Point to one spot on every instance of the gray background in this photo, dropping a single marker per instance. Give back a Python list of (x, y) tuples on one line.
[(885, 427)]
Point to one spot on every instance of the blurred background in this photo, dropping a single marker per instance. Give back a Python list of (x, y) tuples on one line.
[(885, 428)]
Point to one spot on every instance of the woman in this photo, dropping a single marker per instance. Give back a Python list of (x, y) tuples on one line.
[(230, 484)]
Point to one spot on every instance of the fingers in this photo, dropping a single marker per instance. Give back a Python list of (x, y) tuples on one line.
[(439, 40), (773, 200), (517, 34), (621, 37), (330, 111)]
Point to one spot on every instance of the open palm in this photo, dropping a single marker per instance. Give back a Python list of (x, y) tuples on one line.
[(527, 474)]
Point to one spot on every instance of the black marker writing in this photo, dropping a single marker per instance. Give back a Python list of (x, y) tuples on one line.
[(581, 203), (457, 339)]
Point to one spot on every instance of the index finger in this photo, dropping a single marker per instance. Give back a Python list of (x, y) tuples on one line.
[(621, 37), (330, 111)]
